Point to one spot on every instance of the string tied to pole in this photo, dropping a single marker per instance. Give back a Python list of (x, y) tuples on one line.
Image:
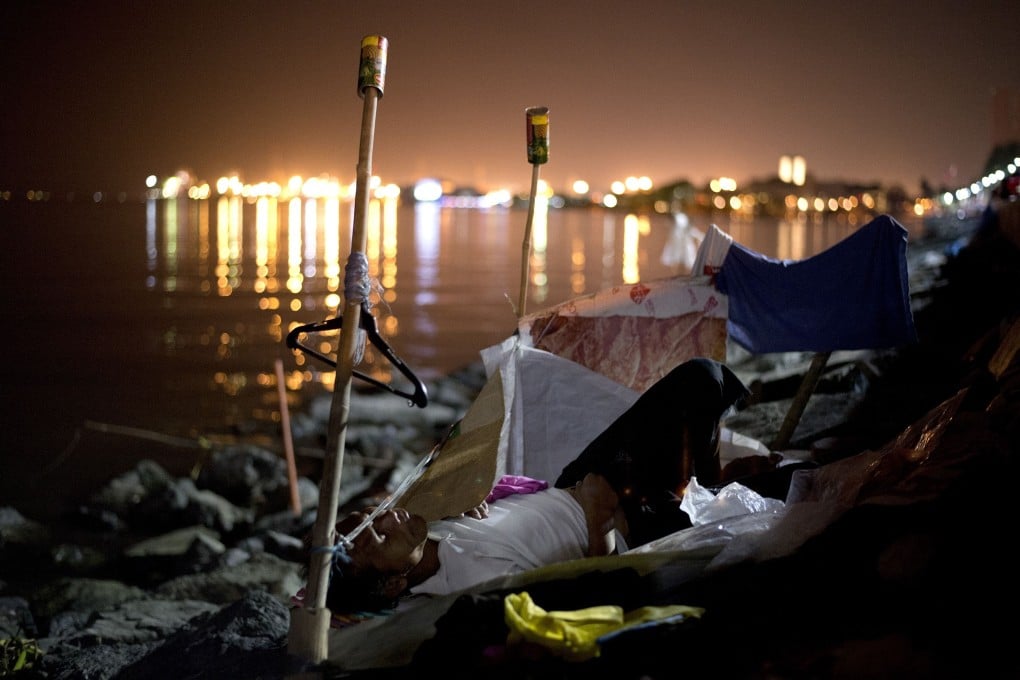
[(340, 557), (357, 289), (340, 550)]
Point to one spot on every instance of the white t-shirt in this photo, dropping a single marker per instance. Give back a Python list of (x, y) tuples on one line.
[(522, 532)]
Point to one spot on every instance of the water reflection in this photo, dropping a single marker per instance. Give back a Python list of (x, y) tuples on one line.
[(426, 241), (309, 251), (151, 251), (229, 220), (539, 279), (170, 245), (240, 274), (202, 209), (631, 271), (294, 276)]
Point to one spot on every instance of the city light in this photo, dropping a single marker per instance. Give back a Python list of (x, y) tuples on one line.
[(795, 191), (427, 190), (723, 184)]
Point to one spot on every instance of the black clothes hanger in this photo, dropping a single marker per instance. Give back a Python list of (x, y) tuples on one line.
[(420, 396)]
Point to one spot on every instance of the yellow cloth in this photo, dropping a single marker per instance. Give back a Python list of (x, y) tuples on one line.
[(574, 634)]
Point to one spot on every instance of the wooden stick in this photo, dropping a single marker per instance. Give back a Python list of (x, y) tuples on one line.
[(310, 624), (537, 121), (526, 244), (288, 439), (800, 400)]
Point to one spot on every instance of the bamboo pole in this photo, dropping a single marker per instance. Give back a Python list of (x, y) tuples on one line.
[(310, 623), (537, 122), (800, 400), (288, 439)]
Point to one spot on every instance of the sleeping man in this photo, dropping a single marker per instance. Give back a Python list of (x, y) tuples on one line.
[(400, 553), (628, 482)]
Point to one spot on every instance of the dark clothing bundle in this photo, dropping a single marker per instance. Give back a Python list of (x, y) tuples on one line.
[(652, 450)]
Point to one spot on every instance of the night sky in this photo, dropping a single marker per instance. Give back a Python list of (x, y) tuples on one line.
[(97, 95)]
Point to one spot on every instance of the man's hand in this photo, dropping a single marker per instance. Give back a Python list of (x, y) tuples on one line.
[(600, 504), (480, 511)]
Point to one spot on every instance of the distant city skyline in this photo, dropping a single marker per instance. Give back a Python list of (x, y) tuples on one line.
[(99, 96)]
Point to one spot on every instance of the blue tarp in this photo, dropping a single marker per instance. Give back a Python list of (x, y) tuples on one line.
[(854, 295)]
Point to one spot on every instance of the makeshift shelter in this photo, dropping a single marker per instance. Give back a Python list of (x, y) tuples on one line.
[(572, 369)]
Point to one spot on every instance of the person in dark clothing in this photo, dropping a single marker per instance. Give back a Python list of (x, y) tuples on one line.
[(649, 453)]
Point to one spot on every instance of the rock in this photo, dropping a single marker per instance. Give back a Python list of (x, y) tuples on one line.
[(190, 550), (223, 585), (124, 492), (137, 621), (246, 639), (24, 543), (245, 475), (17, 530), (822, 414), (101, 662), (384, 408), (209, 509), (287, 522), (280, 501), (285, 546), (98, 519), (77, 559), (175, 639), (174, 543), (16, 618), (458, 391), (83, 595)]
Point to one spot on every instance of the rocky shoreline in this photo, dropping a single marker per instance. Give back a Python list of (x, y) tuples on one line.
[(160, 575)]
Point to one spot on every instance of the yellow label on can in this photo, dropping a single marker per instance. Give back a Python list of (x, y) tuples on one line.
[(372, 72), (538, 134)]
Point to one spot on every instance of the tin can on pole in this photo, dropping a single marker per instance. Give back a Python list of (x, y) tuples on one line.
[(538, 134), (373, 64)]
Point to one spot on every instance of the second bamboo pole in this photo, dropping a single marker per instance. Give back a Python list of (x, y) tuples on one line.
[(537, 121)]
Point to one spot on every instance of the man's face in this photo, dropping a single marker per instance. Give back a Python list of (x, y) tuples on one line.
[(391, 544)]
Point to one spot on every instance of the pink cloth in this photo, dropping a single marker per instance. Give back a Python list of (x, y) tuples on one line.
[(508, 485)]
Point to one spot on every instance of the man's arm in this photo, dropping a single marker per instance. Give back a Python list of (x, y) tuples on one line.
[(600, 504)]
